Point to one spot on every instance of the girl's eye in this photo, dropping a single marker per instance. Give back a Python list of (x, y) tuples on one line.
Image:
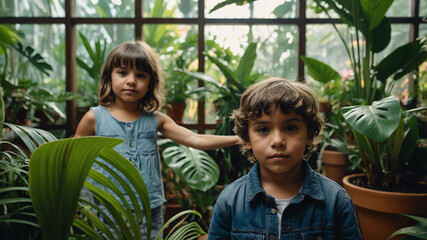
[(262, 130), (122, 73), (141, 75)]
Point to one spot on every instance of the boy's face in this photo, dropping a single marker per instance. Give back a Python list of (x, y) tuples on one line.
[(278, 141)]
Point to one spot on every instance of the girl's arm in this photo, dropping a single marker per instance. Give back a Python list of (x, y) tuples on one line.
[(87, 125), (186, 137)]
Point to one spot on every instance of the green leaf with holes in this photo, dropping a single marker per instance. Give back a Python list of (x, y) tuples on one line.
[(377, 121)]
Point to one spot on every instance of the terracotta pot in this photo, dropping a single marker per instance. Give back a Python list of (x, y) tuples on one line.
[(334, 165), (203, 237), (379, 212), (176, 111)]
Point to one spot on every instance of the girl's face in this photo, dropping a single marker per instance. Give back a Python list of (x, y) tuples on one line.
[(278, 141), (129, 84)]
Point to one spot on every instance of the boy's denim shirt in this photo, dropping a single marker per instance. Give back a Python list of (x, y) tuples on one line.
[(320, 210)]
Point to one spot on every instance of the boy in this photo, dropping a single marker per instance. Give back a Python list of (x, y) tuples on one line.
[(281, 197)]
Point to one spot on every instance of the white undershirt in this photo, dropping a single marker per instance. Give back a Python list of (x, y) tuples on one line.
[(281, 204)]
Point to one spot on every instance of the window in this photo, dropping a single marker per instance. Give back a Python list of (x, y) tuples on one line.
[(74, 37)]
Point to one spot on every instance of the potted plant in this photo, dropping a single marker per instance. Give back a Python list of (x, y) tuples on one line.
[(371, 83), (393, 181)]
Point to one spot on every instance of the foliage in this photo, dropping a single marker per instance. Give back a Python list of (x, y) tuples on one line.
[(194, 177), (370, 33), (228, 91), (26, 96), (57, 172), (195, 167), (386, 139), (97, 56), (419, 231), (18, 220)]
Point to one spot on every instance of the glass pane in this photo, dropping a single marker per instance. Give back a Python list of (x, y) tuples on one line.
[(170, 8), (176, 46), (33, 85), (323, 44), (276, 53), (423, 10), (31, 8), (399, 8), (258, 9), (105, 8), (107, 37), (311, 13)]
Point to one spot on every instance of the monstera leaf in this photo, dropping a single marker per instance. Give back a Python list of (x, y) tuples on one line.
[(195, 167), (377, 121)]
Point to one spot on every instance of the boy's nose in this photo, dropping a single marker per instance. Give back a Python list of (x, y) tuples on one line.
[(277, 139)]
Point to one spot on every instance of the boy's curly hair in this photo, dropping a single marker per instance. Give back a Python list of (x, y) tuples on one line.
[(273, 93)]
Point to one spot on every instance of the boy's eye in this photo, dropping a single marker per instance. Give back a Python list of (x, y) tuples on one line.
[(262, 130), (291, 128)]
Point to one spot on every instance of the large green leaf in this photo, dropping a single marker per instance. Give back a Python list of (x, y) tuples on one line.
[(246, 64), (403, 60), (375, 10), (57, 172), (195, 167), (320, 71), (377, 121)]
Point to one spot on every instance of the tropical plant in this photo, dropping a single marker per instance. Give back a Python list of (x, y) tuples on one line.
[(18, 220), (227, 90), (370, 33), (97, 56), (57, 174), (194, 176), (387, 139), (26, 96)]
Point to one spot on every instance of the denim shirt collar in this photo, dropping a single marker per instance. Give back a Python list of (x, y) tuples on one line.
[(311, 186)]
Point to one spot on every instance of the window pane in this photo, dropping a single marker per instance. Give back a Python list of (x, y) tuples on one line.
[(423, 9), (258, 9), (170, 8), (31, 8), (399, 8), (48, 41), (176, 46), (105, 8), (107, 36)]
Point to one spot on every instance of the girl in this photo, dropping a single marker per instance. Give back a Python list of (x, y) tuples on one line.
[(131, 90)]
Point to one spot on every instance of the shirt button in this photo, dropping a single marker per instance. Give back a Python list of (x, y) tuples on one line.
[(132, 144), (129, 124), (319, 238), (133, 158), (273, 211), (132, 134), (272, 237)]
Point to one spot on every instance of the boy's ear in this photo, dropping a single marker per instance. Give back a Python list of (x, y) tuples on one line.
[(248, 145)]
